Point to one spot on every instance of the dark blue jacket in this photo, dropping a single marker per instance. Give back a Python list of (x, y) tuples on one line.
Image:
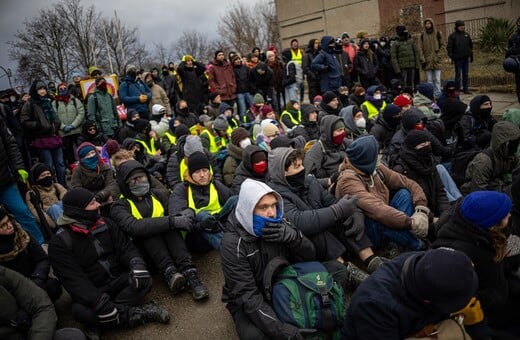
[(129, 92), (327, 66)]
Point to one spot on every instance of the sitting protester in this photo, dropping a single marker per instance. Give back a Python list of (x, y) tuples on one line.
[(386, 125), (91, 134), (101, 269), (355, 122), (477, 124), (239, 141), (253, 165), (308, 127)]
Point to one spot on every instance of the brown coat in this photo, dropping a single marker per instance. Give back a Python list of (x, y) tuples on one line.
[(221, 79), (374, 193), (48, 197)]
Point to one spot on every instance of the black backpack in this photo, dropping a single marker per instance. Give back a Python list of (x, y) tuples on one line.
[(460, 163)]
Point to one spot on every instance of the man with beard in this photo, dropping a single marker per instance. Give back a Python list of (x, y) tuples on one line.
[(221, 78)]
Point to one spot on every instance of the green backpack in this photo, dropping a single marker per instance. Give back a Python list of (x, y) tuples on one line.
[(306, 296)]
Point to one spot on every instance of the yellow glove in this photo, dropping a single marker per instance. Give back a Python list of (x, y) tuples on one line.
[(473, 313), (143, 98), (24, 175)]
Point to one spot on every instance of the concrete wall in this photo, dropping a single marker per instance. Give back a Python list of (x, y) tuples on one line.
[(473, 9)]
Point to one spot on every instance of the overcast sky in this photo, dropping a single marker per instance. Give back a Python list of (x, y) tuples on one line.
[(156, 20)]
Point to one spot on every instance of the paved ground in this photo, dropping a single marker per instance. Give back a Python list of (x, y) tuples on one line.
[(210, 319)]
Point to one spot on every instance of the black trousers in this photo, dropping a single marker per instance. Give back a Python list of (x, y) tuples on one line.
[(168, 249)]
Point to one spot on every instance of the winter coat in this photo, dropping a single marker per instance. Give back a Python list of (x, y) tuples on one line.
[(48, 196), (373, 193), (245, 169), (404, 54), (312, 77), (242, 78), (160, 97), (327, 66), (383, 132), (324, 157), (10, 156), (178, 200), (21, 253), (192, 86), (307, 129), (19, 296), (261, 83), (129, 92), (474, 126), (221, 79), (460, 46), (34, 121), (98, 140), (382, 307), (457, 233), (101, 179), (431, 47), (483, 173), (513, 45), (424, 173), (366, 67), (69, 113), (278, 68), (102, 110), (244, 258), (324, 110), (75, 257), (231, 163)]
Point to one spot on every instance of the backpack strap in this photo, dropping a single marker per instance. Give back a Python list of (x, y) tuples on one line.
[(272, 269)]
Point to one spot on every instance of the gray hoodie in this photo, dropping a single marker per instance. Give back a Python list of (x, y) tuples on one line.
[(251, 192), (276, 163)]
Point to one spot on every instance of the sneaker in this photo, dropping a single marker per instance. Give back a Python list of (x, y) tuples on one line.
[(198, 289), (375, 263), (175, 280), (150, 312), (355, 275)]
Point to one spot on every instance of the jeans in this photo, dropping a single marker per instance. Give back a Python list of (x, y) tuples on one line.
[(378, 233), (407, 76), (11, 198), (450, 187), (290, 93), (213, 239), (462, 66), (54, 159), (434, 77), (55, 211), (244, 101)]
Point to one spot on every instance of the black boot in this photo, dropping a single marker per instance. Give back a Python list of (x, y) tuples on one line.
[(198, 289), (150, 312), (175, 280)]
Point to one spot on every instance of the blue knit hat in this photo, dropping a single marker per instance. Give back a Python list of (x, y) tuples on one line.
[(83, 150), (362, 154), (485, 209)]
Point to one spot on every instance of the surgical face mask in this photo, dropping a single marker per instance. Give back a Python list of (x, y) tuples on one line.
[(382, 43), (244, 143), (12, 98), (140, 189), (377, 96), (361, 123)]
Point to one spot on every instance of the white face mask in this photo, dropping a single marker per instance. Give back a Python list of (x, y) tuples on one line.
[(382, 43), (377, 96), (244, 143), (361, 123)]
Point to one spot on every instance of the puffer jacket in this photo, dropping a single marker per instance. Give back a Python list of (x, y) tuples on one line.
[(404, 54), (460, 46), (69, 113), (374, 193), (431, 46), (10, 156), (221, 79), (483, 173), (327, 66), (129, 92)]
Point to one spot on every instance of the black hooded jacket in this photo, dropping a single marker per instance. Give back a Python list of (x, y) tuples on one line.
[(37, 117), (99, 139), (476, 127), (261, 83)]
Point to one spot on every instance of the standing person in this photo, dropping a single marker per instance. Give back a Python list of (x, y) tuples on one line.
[(221, 78), (404, 55), (295, 54), (190, 72), (102, 109), (513, 50), (134, 93), (385, 62), (169, 85), (71, 114), (75, 86), (366, 65), (261, 80), (327, 66), (313, 79), (460, 51), (244, 97), (41, 122), (278, 67), (350, 48), (159, 96), (431, 46)]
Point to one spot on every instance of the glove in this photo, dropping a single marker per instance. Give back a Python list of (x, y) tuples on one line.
[(473, 313), (355, 226), (106, 310), (209, 225), (291, 332), (182, 222), (143, 98), (420, 222), (24, 175), (102, 196), (344, 207), (280, 233), (68, 128), (140, 278)]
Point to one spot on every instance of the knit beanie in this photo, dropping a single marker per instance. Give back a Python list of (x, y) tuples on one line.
[(258, 156), (36, 170), (459, 23), (213, 95), (339, 125), (40, 84), (196, 161), (401, 30), (390, 112), (74, 199), (317, 99), (426, 89), (362, 154), (130, 67), (345, 35), (265, 110), (217, 52), (128, 143), (280, 142), (258, 99), (329, 96), (141, 124), (112, 146), (238, 135), (269, 130), (220, 123), (83, 150), (181, 130), (307, 109), (416, 137), (193, 144), (402, 101), (442, 278), (411, 117), (485, 209), (474, 104)]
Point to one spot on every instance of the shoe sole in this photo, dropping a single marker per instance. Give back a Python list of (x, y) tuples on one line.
[(178, 285), (201, 297)]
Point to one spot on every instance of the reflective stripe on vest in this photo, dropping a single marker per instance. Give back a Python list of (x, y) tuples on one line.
[(371, 109), (213, 206), (149, 150), (183, 167), (157, 209), (171, 138), (297, 57), (293, 120)]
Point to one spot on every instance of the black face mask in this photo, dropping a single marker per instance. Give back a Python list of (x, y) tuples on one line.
[(86, 217), (425, 153), (485, 113), (45, 181), (132, 74), (184, 110), (165, 73), (149, 83), (512, 146), (296, 180)]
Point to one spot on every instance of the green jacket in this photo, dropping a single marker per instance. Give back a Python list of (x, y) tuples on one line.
[(71, 113), (17, 291), (431, 46), (404, 54), (103, 111)]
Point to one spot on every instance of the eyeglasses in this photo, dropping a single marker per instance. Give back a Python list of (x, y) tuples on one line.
[(6, 224)]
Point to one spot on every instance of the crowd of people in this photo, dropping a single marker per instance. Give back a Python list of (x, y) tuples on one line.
[(407, 196)]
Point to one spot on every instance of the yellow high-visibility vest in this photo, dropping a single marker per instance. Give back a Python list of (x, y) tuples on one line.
[(157, 209), (213, 206), (297, 57), (149, 150)]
